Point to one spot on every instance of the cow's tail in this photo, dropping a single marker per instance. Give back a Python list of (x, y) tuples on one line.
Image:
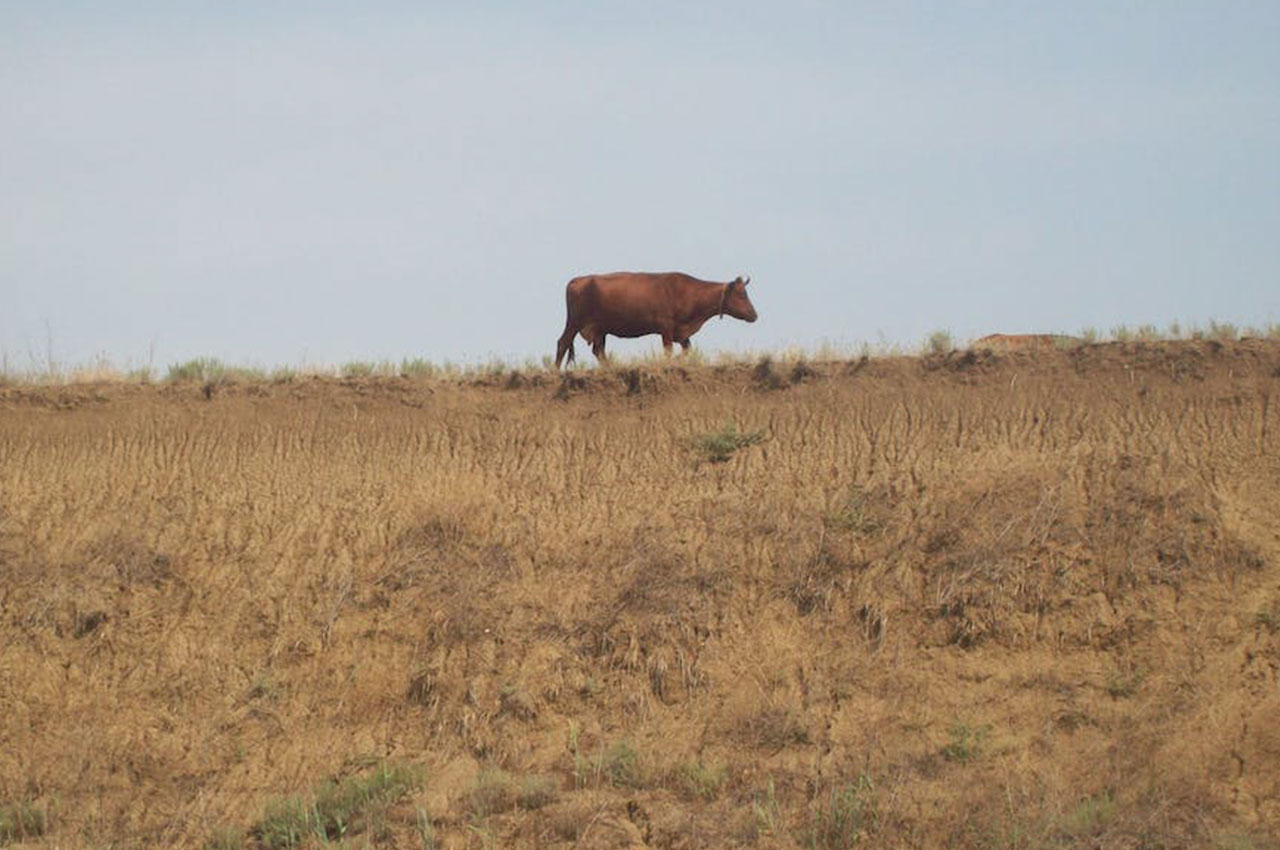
[(565, 346)]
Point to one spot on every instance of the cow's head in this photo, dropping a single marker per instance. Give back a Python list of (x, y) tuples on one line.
[(736, 301)]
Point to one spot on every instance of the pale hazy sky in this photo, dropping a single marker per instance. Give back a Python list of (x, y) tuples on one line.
[(288, 182)]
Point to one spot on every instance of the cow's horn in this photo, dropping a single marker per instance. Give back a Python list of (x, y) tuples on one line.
[(746, 280)]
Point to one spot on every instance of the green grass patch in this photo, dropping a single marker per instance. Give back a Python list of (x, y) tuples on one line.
[(964, 742), (335, 810), (719, 446)]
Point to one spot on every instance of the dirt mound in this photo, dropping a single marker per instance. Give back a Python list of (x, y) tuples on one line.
[(1023, 598)]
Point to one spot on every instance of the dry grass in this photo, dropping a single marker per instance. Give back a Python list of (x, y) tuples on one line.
[(961, 600)]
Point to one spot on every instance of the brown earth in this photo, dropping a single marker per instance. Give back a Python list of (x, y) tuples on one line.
[(1022, 600)]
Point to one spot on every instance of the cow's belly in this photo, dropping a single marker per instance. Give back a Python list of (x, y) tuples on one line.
[(629, 327)]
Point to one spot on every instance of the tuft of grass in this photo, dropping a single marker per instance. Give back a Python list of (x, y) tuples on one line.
[(358, 369), (1147, 333), (845, 816), (701, 781), (534, 792), (1122, 333), (766, 813), (964, 742), (1122, 684), (1223, 331), (417, 367), (854, 512), (335, 809), (494, 792), (199, 369), (719, 446), (20, 821), (1089, 336), (939, 342), (226, 838), (775, 727), (765, 377), (1089, 815)]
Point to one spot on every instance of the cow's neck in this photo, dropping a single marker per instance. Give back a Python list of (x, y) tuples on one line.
[(711, 300)]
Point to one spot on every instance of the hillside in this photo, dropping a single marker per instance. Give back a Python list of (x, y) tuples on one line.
[(986, 599)]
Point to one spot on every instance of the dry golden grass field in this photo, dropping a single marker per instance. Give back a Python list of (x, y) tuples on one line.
[(977, 600)]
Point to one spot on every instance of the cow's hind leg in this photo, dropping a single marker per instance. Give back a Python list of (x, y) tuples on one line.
[(596, 337), (565, 345)]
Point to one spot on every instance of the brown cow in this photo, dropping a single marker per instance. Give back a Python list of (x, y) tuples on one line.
[(631, 304)]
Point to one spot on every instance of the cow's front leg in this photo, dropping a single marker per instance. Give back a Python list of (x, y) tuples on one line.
[(684, 346), (666, 343)]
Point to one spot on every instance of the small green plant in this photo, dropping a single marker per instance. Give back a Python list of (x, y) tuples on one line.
[(719, 446), (579, 763), (1122, 333), (964, 742), (939, 342), (1269, 617), (1148, 333), (844, 817), (700, 780), (20, 821), (1089, 336)]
